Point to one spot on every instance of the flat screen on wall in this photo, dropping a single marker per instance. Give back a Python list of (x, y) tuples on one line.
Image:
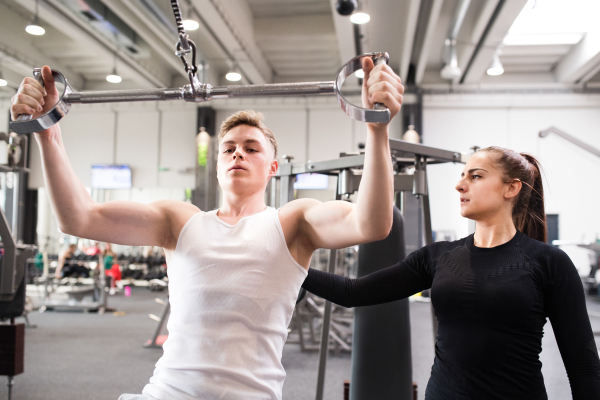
[(107, 176), (311, 181)]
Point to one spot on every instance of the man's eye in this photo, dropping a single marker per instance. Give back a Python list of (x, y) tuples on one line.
[(227, 151)]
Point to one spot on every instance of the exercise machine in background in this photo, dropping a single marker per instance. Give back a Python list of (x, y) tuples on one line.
[(381, 348), (13, 263)]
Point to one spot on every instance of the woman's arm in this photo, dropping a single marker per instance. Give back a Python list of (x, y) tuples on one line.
[(567, 311), (389, 284)]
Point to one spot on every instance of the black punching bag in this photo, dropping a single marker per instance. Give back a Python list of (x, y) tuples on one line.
[(381, 352)]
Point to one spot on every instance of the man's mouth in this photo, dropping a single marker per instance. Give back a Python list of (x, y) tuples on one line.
[(236, 167)]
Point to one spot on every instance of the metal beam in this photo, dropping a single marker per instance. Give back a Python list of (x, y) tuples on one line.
[(583, 59), (399, 148), (430, 27), (410, 28), (504, 15)]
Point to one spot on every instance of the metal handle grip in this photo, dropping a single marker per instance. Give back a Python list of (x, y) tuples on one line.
[(377, 61), (378, 114)]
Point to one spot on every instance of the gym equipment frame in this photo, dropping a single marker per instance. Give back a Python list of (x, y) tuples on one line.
[(347, 170), (13, 265)]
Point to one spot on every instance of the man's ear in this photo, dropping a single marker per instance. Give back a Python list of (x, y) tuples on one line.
[(513, 189), (273, 168)]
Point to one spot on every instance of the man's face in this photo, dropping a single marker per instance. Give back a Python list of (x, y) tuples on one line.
[(245, 161)]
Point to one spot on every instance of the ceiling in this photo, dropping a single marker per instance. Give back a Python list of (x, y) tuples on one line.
[(282, 41)]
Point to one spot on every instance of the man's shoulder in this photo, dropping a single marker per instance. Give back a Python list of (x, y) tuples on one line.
[(297, 208)]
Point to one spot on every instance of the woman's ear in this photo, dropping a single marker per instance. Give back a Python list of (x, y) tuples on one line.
[(513, 189)]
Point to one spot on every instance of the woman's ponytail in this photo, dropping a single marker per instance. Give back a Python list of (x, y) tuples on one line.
[(529, 214), (533, 217)]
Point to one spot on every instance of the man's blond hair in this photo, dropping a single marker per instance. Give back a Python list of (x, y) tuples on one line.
[(250, 118)]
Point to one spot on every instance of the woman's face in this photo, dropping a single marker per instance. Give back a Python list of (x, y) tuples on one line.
[(483, 193)]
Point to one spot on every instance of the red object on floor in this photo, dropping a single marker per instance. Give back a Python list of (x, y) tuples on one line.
[(160, 340)]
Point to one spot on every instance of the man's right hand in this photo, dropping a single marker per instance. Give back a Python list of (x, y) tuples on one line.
[(32, 98)]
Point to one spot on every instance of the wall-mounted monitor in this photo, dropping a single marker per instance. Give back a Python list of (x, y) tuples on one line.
[(312, 181), (108, 176)]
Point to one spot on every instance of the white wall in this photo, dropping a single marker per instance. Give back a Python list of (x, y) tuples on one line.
[(458, 122), (144, 135)]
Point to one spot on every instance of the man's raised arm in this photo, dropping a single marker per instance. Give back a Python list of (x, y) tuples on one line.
[(338, 224), (122, 222)]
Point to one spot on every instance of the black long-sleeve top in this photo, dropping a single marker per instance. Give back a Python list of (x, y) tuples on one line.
[(491, 305)]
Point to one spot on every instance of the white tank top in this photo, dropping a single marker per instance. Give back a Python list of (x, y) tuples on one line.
[(232, 290)]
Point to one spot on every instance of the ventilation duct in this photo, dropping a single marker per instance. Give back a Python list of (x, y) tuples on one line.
[(110, 25), (451, 69)]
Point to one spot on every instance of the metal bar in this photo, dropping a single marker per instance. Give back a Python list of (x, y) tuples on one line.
[(116, 96), (406, 149), (571, 139), (431, 152), (428, 239), (273, 89), (323, 352), (15, 205), (159, 327)]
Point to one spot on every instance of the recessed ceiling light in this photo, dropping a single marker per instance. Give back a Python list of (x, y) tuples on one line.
[(360, 74), (3, 82)]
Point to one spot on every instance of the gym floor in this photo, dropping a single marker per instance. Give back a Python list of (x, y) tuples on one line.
[(72, 355)]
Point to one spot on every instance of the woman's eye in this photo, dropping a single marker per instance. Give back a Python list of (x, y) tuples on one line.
[(476, 176)]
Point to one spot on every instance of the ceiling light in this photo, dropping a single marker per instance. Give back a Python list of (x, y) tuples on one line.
[(360, 18), (113, 77), (190, 25), (233, 75), (496, 68), (34, 27), (359, 74)]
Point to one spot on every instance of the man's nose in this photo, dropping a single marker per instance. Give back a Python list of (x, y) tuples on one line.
[(238, 154)]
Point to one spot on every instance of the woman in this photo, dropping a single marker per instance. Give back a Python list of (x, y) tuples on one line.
[(492, 291)]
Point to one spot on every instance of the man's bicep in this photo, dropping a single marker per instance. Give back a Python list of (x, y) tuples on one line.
[(331, 225)]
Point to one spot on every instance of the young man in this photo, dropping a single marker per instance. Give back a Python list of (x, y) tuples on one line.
[(234, 273)]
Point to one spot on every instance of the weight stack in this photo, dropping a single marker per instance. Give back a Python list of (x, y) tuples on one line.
[(381, 348)]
